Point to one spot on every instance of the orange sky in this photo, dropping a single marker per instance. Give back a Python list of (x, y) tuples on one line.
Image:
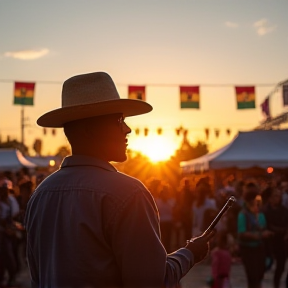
[(160, 44)]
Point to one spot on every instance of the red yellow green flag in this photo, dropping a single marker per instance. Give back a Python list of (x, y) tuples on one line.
[(24, 93), (245, 97), (137, 92), (189, 97)]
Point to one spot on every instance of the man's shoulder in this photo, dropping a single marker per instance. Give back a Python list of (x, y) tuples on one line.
[(95, 180)]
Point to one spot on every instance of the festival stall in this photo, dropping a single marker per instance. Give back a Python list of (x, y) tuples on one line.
[(258, 151), (13, 160)]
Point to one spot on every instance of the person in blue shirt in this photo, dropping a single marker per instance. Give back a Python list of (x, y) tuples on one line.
[(251, 234)]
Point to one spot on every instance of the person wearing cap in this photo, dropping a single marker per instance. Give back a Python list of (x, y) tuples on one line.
[(87, 224)]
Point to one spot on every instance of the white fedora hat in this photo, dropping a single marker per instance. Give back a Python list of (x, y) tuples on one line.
[(90, 95)]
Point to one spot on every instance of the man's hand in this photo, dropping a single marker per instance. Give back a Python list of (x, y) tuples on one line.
[(199, 246)]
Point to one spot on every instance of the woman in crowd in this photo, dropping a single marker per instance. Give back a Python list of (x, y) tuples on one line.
[(252, 231)]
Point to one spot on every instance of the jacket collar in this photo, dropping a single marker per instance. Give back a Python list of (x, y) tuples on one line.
[(83, 160)]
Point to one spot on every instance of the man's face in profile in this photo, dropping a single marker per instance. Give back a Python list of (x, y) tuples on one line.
[(110, 135)]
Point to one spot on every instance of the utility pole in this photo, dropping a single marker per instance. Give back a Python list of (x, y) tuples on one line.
[(22, 125)]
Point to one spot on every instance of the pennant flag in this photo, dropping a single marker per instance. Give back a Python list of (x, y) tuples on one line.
[(24, 93), (207, 133), (245, 97), (137, 92), (285, 95), (189, 97), (266, 107)]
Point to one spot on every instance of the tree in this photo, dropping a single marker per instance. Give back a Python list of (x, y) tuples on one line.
[(15, 145), (63, 151), (140, 167), (187, 151)]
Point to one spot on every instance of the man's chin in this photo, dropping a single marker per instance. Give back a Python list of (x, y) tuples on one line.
[(119, 158)]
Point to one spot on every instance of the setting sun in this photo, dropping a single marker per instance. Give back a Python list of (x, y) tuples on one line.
[(156, 147)]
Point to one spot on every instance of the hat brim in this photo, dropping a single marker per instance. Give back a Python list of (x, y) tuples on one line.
[(128, 107)]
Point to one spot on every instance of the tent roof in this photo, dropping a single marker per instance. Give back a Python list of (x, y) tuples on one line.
[(261, 148), (44, 161), (12, 159)]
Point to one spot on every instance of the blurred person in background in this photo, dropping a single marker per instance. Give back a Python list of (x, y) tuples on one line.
[(252, 230), (25, 189), (183, 210), (165, 204), (7, 233), (284, 192), (277, 222), (204, 207), (221, 262)]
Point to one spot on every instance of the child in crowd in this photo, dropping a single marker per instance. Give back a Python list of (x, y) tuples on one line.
[(221, 261)]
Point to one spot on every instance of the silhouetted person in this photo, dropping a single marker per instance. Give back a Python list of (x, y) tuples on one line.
[(89, 225), (165, 204), (183, 208), (252, 231), (7, 256), (221, 262), (277, 221)]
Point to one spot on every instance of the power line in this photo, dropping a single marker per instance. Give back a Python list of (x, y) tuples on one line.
[(41, 81), (157, 84)]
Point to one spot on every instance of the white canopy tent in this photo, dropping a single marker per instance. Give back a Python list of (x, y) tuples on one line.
[(13, 160), (260, 148)]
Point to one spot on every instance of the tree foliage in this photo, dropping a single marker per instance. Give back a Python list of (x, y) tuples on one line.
[(14, 144), (63, 151)]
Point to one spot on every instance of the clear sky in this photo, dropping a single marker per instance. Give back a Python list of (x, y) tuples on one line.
[(162, 44)]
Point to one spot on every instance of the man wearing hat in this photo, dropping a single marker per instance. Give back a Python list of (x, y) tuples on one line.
[(87, 224)]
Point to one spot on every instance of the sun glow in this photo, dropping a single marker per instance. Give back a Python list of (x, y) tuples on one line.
[(156, 147)]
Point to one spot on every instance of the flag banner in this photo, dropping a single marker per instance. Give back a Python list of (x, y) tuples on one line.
[(24, 93), (265, 106), (245, 97), (136, 92), (207, 133), (285, 95), (189, 97)]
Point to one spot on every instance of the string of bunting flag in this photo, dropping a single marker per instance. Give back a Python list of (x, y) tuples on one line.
[(183, 131), (189, 98)]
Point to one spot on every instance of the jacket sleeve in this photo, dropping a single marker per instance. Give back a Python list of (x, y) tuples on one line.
[(135, 240)]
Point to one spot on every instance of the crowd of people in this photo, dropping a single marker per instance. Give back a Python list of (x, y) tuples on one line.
[(15, 191), (253, 232)]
